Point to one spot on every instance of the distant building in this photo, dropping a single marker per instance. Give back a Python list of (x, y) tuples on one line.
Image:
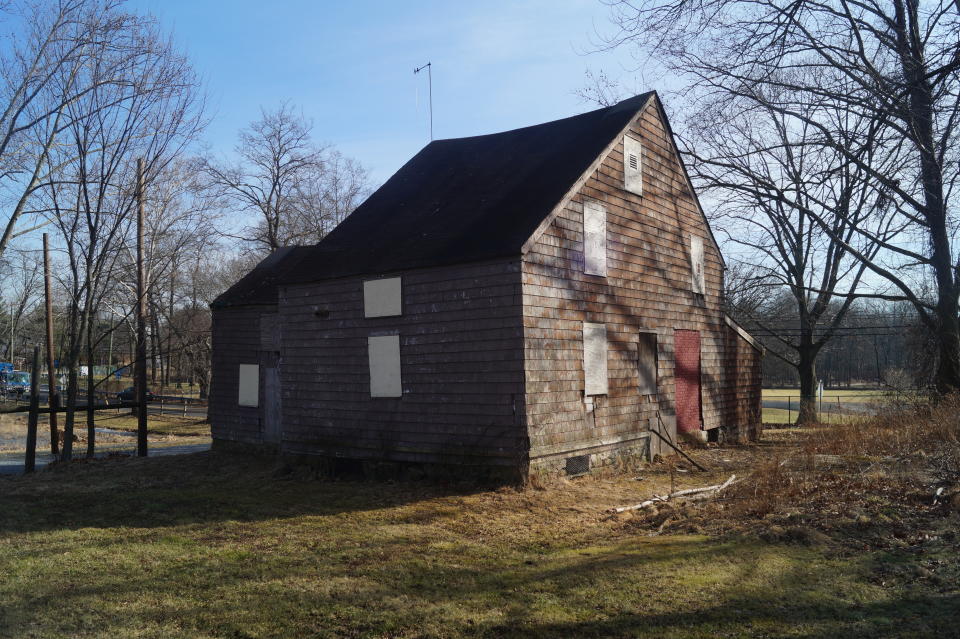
[(541, 298)]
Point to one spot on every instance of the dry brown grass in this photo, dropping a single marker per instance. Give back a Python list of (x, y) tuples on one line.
[(868, 483), (218, 545)]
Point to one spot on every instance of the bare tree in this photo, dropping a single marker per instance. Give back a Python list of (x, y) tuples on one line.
[(189, 324), (757, 161), (21, 280), (296, 190), (40, 70), (151, 110), (894, 65), (181, 228)]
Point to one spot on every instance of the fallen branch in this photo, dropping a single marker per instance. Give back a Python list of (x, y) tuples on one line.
[(691, 493), (682, 454)]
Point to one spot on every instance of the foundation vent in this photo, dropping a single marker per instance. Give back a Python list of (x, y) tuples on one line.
[(578, 465)]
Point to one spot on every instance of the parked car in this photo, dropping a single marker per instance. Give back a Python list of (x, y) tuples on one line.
[(15, 382), (128, 395), (44, 393)]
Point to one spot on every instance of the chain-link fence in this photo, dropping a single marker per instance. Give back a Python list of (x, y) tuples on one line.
[(783, 407)]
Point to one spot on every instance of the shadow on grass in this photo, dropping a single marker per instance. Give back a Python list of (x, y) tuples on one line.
[(213, 544), (183, 489), (341, 583), (926, 615)]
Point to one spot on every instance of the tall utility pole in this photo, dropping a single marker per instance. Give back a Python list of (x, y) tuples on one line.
[(428, 66), (53, 395), (140, 363)]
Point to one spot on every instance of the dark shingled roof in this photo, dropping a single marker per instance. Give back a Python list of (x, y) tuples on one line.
[(456, 201), (467, 199), (259, 286)]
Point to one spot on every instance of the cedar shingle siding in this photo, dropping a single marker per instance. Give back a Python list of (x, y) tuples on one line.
[(461, 366), (495, 296)]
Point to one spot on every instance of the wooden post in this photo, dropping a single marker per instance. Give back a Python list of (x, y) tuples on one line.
[(29, 464), (140, 379), (53, 396), (789, 409)]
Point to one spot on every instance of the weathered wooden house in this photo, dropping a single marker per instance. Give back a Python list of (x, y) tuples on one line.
[(543, 298)]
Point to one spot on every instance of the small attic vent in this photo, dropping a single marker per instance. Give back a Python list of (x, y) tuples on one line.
[(579, 465), (632, 171)]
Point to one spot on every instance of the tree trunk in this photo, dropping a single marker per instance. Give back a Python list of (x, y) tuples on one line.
[(91, 392), (168, 360), (807, 370), (947, 379), (922, 115), (205, 383), (67, 449)]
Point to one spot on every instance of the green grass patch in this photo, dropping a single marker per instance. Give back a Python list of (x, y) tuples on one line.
[(783, 416), (213, 545), (158, 424), (852, 395)]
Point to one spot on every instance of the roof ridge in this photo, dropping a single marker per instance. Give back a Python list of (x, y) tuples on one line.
[(633, 102)]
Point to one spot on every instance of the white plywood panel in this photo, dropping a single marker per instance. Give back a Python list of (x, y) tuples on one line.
[(249, 394), (594, 238), (382, 298), (384, 354), (696, 264), (632, 165), (595, 359)]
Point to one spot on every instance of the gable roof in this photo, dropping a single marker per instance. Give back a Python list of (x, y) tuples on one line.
[(467, 199), (259, 286)]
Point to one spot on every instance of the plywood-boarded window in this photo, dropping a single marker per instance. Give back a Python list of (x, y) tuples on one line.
[(383, 352), (249, 387), (382, 298), (647, 363), (594, 238), (594, 359), (696, 265), (632, 165)]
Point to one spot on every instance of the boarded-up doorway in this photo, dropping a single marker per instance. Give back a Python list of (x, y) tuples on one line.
[(687, 347), (271, 405), (270, 364)]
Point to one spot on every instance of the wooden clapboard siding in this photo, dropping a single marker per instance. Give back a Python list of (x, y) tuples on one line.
[(236, 340), (461, 351), (647, 289), (742, 393)]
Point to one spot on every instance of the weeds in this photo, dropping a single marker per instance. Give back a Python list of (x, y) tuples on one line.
[(888, 481)]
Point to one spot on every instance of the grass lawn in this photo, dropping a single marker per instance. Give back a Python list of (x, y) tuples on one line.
[(851, 404), (214, 545), (158, 424), (782, 416), (849, 395), (165, 429)]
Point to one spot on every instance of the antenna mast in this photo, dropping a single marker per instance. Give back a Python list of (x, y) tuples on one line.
[(428, 67)]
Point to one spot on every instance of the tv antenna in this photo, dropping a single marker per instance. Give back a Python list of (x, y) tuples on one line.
[(428, 66)]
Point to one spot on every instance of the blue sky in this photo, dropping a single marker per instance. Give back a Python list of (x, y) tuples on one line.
[(349, 66)]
